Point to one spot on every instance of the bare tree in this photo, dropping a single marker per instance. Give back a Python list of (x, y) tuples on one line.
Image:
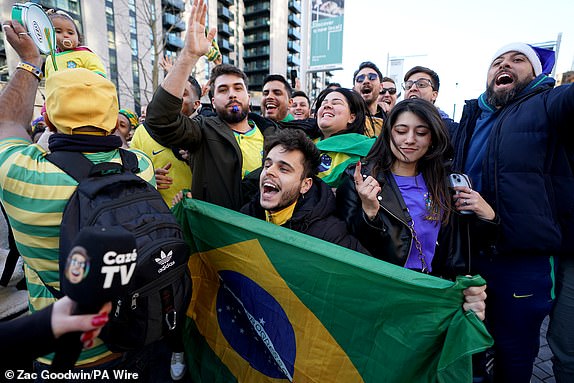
[(149, 15)]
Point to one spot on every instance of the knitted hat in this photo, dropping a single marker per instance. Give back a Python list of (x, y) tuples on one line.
[(526, 50), (80, 97), (131, 116)]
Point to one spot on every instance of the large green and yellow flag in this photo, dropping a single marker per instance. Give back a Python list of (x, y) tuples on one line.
[(273, 305)]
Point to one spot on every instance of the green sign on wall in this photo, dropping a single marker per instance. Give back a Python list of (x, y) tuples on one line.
[(327, 35)]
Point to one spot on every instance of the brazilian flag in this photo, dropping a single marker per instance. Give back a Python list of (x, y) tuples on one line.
[(273, 305), (340, 151)]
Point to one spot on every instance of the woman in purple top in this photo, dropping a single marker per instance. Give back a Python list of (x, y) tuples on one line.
[(398, 202)]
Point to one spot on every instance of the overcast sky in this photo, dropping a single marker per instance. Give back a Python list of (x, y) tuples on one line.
[(456, 38)]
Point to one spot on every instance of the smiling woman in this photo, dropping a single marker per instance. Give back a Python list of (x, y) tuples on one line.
[(398, 204), (341, 115)]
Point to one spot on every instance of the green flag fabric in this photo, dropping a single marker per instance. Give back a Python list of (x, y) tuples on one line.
[(273, 305), (340, 151)]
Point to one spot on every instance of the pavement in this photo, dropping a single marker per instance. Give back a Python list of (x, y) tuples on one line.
[(542, 372)]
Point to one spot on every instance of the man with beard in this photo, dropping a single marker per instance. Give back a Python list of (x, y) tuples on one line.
[(367, 83), (276, 100), (422, 82), (225, 148), (291, 195), (515, 142)]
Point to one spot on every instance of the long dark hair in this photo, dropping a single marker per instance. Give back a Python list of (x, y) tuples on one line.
[(357, 106), (432, 165)]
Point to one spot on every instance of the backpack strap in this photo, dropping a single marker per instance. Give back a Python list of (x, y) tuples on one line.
[(13, 254), (77, 166), (130, 161)]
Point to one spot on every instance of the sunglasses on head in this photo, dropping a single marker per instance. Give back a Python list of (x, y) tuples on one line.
[(371, 76), (390, 90)]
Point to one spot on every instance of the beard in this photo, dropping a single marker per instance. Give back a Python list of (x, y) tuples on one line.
[(232, 117), (503, 97), (286, 199)]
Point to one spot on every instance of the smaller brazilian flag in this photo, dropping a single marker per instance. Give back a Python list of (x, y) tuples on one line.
[(273, 305), (340, 151)]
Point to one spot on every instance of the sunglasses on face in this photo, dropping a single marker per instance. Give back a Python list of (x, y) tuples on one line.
[(371, 76), (391, 91), (420, 83)]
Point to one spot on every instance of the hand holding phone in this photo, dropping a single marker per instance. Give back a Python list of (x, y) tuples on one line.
[(459, 179)]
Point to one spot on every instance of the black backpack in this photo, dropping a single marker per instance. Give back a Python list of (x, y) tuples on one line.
[(111, 194)]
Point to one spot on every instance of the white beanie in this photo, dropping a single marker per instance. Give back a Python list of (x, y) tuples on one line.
[(526, 50)]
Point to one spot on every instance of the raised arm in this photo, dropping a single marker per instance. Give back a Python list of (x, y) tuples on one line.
[(17, 99), (196, 45)]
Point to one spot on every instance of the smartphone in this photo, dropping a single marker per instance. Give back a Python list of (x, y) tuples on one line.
[(459, 179)]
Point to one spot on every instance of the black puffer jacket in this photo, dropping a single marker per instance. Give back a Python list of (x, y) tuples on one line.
[(314, 215), (389, 237)]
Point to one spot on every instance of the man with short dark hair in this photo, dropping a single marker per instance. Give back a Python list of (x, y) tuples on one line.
[(301, 105), (367, 83), (224, 148), (291, 195), (422, 82), (276, 98)]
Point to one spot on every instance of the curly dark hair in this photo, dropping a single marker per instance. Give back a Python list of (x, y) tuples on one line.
[(294, 139)]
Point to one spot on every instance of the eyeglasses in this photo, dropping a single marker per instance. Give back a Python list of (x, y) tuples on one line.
[(421, 83), (390, 90), (372, 77)]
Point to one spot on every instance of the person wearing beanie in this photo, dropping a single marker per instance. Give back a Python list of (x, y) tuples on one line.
[(515, 143), (83, 107), (127, 122)]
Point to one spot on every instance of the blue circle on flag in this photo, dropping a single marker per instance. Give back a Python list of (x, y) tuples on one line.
[(326, 162), (255, 325)]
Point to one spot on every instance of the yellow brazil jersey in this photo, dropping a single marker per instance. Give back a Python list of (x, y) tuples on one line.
[(80, 57), (34, 193), (251, 145), (180, 171)]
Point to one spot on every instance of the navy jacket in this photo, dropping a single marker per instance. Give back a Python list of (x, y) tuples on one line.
[(527, 173)]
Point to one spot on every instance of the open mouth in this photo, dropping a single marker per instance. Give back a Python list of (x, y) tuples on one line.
[(270, 106), (366, 90), (504, 79), (269, 189)]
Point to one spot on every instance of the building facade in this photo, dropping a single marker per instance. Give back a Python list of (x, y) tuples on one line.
[(131, 36)]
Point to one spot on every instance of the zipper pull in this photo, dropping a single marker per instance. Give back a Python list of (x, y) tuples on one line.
[(117, 312), (134, 300)]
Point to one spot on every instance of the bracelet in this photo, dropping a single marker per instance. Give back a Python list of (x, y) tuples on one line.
[(32, 69)]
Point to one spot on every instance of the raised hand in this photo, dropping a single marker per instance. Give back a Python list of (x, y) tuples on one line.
[(196, 42), (368, 189)]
